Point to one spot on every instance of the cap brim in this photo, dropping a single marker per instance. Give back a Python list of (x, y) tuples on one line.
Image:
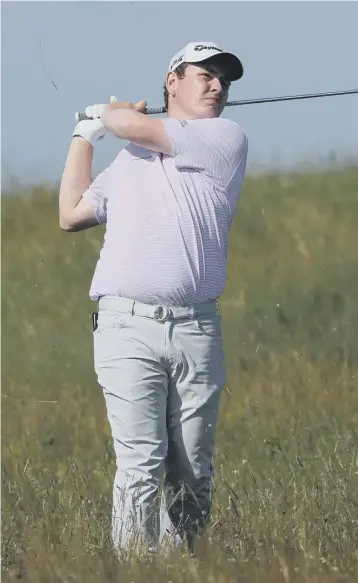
[(233, 65)]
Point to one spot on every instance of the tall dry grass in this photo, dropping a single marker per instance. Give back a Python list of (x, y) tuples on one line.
[(286, 502)]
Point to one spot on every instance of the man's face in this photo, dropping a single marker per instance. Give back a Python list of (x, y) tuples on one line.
[(202, 92)]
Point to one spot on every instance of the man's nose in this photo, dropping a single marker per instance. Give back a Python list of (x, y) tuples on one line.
[(216, 85)]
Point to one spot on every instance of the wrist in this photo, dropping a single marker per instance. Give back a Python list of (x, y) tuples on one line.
[(117, 120), (81, 142)]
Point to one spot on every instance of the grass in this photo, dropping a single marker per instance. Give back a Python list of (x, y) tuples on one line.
[(286, 502)]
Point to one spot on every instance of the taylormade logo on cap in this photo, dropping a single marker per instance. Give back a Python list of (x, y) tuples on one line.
[(195, 52)]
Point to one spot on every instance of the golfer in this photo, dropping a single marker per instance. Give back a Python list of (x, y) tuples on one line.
[(168, 200)]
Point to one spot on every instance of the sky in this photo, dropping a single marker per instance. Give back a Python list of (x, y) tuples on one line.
[(91, 50)]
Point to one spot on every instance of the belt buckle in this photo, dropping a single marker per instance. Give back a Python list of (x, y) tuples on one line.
[(162, 313)]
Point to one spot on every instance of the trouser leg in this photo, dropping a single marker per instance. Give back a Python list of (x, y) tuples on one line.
[(135, 385), (193, 408)]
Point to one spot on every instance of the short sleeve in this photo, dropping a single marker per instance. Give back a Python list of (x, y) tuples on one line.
[(215, 146), (96, 195)]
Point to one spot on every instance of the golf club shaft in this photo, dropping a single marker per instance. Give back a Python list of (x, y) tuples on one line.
[(157, 110)]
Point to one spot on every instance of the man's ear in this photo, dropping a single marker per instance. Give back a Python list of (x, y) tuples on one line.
[(171, 83)]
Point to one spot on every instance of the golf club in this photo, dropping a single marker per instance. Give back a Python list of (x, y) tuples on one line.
[(157, 110)]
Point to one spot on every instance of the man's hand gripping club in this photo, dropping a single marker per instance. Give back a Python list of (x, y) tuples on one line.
[(93, 130)]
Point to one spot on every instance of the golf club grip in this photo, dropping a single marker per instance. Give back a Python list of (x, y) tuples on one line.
[(148, 111)]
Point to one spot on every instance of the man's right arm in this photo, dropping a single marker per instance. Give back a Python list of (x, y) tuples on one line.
[(76, 213)]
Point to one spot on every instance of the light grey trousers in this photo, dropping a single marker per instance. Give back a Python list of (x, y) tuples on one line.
[(162, 373)]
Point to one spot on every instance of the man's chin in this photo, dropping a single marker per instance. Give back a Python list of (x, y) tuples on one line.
[(211, 110), (206, 111)]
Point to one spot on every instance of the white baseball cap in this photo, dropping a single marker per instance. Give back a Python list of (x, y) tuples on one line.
[(195, 52)]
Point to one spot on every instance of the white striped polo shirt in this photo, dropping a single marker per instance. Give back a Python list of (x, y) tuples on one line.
[(168, 217)]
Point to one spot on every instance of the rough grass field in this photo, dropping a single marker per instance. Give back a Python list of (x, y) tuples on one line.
[(286, 503)]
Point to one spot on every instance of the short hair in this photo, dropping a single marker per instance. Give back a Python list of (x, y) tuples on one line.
[(180, 72)]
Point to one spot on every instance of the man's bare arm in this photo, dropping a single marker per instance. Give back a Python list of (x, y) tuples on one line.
[(136, 127), (76, 213)]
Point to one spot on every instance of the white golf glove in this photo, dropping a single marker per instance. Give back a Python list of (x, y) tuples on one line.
[(93, 130)]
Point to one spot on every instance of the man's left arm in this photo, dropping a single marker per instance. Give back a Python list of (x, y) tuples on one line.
[(214, 146), (136, 127)]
